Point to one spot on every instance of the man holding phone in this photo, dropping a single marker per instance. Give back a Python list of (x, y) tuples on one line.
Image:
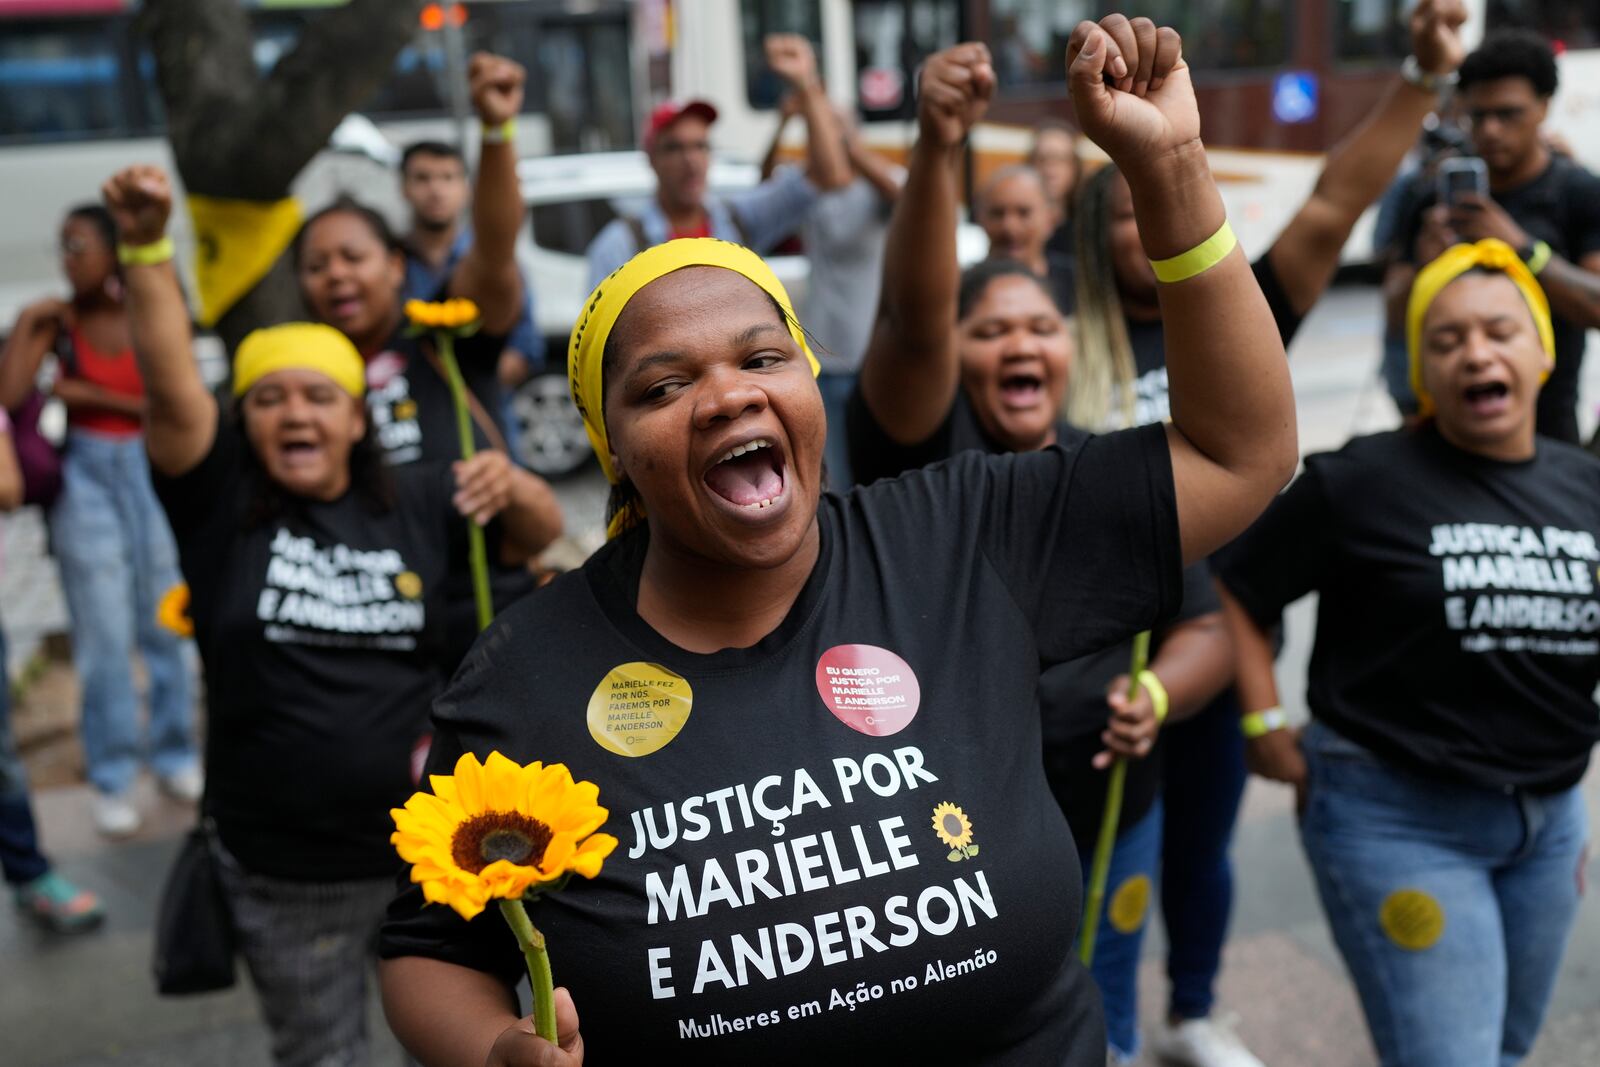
[(1539, 202)]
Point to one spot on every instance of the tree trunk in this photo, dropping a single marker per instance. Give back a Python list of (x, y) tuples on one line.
[(239, 135)]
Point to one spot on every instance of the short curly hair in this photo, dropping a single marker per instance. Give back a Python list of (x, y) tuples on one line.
[(1512, 53)]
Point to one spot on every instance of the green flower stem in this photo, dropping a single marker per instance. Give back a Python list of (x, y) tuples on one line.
[(1112, 815), (477, 555), (532, 942)]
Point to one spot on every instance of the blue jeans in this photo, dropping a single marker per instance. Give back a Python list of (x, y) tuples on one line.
[(117, 558), (20, 859), (1451, 904), (1130, 884), (1203, 776), (836, 387)]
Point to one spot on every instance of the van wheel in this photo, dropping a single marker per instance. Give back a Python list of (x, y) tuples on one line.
[(551, 440)]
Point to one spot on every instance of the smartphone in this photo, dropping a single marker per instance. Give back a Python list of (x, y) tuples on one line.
[(1460, 176)]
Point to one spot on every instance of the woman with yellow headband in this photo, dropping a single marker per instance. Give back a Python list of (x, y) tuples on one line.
[(317, 580), (1452, 683), (813, 718)]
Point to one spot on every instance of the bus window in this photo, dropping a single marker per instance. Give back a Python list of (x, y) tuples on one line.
[(1028, 38), (585, 84), (761, 17), (1568, 23), (892, 38), (60, 81), (1371, 29)]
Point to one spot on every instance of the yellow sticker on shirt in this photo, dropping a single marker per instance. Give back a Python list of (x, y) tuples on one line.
[(1129, 903), (1412, 919), (638, 708)]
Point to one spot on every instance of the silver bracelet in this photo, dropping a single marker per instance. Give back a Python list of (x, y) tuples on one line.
[(1412, 72)]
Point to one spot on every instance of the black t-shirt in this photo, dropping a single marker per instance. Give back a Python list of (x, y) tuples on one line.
[(414, 419), (874, 454), (1562, 208), (409, 402), (855, 802), (1458, 625), (320, 631), (1072, 696), (1148, 340)]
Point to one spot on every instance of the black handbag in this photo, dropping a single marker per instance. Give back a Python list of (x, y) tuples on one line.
[(195, 940)]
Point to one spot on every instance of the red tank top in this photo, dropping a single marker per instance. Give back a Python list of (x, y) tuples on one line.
[(117, 373)]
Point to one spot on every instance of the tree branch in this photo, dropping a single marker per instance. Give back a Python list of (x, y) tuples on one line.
[(337, 66)]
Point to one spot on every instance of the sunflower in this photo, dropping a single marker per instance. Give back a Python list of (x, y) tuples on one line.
[(444, 314), (500, 830), (952, 825), (173, 611)]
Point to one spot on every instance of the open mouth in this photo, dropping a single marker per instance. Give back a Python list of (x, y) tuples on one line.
[(298, 453), (345, 307), (1021, 389), (749, 476), (1487, 398)]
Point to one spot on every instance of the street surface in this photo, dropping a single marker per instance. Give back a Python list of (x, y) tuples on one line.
[(90, 1001)]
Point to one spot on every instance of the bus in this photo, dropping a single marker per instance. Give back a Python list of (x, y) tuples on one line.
[(78, 100), (1278, 82)]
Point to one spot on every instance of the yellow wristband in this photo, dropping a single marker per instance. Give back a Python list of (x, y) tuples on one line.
[(1158, 694), (504, 133), (1263, 722), (1199, 259), (145, 255), (1539, 258)]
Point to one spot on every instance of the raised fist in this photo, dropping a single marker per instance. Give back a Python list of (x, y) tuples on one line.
[(140, 200), (791, 58), (1436, 35), (495, 83), (954, 93), (1130, 88)]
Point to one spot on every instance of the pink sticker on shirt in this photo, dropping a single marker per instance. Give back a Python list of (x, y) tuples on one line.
[(869, 689), (383, 369)]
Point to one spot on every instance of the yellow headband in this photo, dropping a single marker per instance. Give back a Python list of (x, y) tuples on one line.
[(601, 311), (299, 346), (1488, 254)]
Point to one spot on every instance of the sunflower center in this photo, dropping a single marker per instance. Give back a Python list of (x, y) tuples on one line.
[(952, 826), (499, 835)]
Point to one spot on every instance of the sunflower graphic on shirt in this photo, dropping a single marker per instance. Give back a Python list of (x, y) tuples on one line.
[(953, 827)]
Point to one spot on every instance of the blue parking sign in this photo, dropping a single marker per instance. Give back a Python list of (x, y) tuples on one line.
[(1294, 96)]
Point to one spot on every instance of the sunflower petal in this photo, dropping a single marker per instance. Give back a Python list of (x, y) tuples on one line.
[(592, 854)]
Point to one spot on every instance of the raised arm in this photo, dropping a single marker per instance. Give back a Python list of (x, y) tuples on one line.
[(1232, 433), (788, 107), (1360, 167), (910, 373), (180, 412), (884, 177), (488, 272), (791, 57)]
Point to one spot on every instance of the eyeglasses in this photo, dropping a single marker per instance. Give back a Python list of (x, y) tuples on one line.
[(74, 246), (1505, 116), (684, 148)]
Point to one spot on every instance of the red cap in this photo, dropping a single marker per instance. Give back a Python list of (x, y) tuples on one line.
[(665, 114)]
